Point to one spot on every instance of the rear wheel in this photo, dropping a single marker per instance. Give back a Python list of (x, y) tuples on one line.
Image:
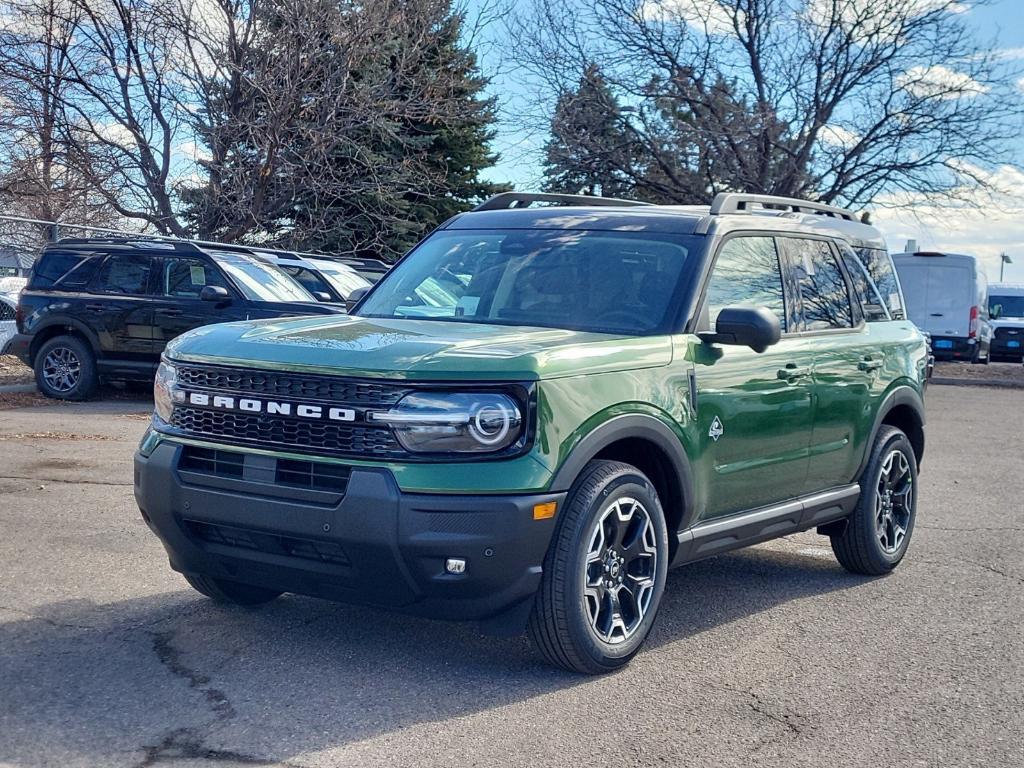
[(65, 369), (604, 573), (231, 592), (878, 532)]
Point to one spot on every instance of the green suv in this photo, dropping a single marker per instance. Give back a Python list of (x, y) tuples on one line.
[(541, 409)]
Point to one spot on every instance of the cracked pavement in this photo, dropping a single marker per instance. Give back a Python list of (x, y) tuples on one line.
[(772, 656)]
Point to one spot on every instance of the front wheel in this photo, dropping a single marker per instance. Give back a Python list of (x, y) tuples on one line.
[(878, 532), (604, 573)]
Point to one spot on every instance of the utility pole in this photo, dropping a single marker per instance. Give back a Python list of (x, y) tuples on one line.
[(1004, 259)]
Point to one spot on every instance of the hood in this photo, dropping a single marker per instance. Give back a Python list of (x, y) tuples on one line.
[(1007, 322), (417, 349)]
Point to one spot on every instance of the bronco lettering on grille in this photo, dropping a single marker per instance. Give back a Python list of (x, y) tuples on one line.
[(270, 407)]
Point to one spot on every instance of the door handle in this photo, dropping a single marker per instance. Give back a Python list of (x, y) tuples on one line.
[(95, 307), (868, 364), (791, 372), (937, 314), (169, 312)]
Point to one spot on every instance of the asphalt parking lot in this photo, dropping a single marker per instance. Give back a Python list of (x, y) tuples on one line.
[(771, 657)]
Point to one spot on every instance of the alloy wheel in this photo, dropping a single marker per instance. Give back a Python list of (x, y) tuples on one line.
[(894, 501), (620, 568), (62, 369)]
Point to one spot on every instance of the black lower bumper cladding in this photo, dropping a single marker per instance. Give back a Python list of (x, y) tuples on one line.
[(355, 538)]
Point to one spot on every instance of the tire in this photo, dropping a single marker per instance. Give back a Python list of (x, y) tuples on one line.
[(871, 543), (65, 369), (230, 592), (574, 626)]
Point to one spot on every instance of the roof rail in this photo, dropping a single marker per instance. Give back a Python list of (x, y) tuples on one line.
[(738, 202), (506, 200)]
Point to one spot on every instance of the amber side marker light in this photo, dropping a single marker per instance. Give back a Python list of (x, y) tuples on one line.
[(544, 511)]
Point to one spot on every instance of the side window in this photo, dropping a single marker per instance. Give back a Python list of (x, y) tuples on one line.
[(864, 289), (306, 278), (65, 270), (124, 273), (878, 263), (747, 274), (824, 295), (186, 278)]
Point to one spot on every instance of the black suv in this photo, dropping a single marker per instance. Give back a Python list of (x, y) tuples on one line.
[(102, 309)]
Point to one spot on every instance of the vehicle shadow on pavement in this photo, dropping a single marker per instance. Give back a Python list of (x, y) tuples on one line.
[(174, 676)]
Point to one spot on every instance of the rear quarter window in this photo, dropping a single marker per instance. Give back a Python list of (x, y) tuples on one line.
[(879, 267), (57, 269)]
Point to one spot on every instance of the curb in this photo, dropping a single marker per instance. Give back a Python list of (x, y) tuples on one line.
[(16, 388), (942, 382)]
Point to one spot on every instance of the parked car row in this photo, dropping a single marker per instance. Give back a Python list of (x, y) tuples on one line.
[(98, 309)]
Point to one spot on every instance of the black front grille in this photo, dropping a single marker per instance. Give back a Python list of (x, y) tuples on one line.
[(1006, 334), (279, 432), (272, 543), (358, 392), (312, 474), (210, 461)]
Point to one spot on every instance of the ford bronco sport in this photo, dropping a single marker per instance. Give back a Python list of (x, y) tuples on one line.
[(540, 410)]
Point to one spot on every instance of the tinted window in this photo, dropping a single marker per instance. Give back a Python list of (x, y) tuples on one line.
[(879, 267), (69, 270), (824, 295), (608, 282), (186, 278), (864, 289), (1006, 306), (259, 281), (747, 274), (307, 278), (124, 273)]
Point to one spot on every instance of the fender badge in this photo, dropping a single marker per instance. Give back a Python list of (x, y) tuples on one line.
[(717, 430)]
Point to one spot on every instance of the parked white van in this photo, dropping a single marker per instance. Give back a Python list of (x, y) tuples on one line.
[(1006, 315), (947, 296)]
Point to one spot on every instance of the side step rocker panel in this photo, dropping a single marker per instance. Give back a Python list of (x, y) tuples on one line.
[(712, 537)]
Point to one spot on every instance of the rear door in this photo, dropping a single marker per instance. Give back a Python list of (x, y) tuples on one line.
[(754, 409), (848, 360), (939, 293), (178, 308), (120, 307)]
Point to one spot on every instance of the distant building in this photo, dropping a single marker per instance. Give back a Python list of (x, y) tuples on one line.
[(15, 262)]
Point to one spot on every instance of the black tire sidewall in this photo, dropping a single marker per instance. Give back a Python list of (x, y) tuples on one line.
[(865, 517), (630, 483), (86, 384)]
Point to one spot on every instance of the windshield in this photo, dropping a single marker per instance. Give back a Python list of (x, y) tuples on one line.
[(259, 281), (610, 282), (1006, 306), (344, 279)]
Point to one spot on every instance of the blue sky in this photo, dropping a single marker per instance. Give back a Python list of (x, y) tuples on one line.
[(986, 232)]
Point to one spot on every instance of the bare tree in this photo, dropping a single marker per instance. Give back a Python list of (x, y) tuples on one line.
[(839, 99)]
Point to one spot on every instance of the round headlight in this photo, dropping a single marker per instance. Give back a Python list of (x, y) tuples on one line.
[(455, 422), (163, 390)]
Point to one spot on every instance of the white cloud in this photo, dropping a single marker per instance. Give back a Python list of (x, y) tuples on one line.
[(1020, 84), (193, 151), (837, 136), (115, 133), (940, 81), (986, 225), (712, 17)]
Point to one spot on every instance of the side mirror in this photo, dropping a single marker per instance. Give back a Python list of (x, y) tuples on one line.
[(214, 293), (354, 297), (757, 328), (322, 296), (996, 311)]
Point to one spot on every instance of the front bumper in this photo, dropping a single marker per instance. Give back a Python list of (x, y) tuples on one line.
[(367, 543), (1008, 348), (19, 345)]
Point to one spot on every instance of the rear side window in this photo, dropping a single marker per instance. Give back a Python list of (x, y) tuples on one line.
[(186, 278), (824, 295), (124, 273), (62, 270), (747, 274), (864, 289), (879, 268), (307, 278)]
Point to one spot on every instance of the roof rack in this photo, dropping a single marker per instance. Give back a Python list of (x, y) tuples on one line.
[(738, 202), (507, 200)]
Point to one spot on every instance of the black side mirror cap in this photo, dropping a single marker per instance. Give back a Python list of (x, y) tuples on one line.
[(354, 298), (754, 327), (214, 293)]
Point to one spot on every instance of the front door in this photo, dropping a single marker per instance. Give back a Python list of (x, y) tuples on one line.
[(178, 307), (754, 411)]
